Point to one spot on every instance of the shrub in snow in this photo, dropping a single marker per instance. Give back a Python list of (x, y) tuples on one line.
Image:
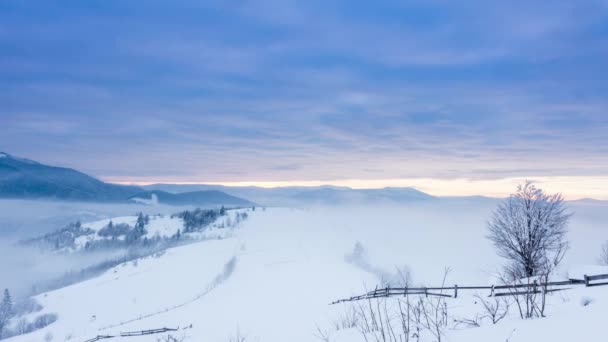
[(396, 320), (495, 308), (604, 254)]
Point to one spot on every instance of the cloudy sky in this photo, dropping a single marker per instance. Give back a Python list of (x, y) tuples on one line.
[(360, 93)]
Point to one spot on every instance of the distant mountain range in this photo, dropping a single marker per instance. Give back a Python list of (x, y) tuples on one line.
[(24, 178), (27, 179), (203, 198), (322, 195)]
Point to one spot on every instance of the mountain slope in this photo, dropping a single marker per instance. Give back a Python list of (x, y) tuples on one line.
[(26, 179), (329, 195), (23, 178)]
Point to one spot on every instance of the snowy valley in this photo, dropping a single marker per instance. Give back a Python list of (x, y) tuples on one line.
[(272, 277)]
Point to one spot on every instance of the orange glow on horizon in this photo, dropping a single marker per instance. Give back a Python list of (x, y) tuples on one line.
[(572, 187)]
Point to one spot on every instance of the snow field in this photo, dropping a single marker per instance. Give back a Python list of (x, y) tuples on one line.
[(290, 264)]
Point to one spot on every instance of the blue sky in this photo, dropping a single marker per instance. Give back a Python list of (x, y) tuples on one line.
[(244, 91)]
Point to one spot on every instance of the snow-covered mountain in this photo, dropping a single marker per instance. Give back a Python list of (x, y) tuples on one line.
[(26, 179)]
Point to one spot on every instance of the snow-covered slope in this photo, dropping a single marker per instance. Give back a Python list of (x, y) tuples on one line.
[(120, 232), (159, 225), (273, 279)]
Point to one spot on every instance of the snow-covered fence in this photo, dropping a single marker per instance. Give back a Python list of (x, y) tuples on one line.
[(133, 333), (146, 332), (590, 279), (99, 337), (452, 291)]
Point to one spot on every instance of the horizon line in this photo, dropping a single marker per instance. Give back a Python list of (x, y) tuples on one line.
[(571, 187)]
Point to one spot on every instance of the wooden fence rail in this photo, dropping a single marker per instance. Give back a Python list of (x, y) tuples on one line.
[(589, 279), (146, 332), (99, 337), (133, 333), (533, 287)]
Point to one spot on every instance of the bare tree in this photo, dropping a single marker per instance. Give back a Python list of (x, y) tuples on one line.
[(604, 255), (529, 230)]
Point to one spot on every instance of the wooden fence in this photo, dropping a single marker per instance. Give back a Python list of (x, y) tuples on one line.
[(132, 333), (99, 337), (146, 332), (533, 287)]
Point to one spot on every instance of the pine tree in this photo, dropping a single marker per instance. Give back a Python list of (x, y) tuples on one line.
[(139, 230), (141, 221), (6, 310)]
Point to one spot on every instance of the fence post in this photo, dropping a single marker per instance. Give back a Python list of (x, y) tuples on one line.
[(455, 291), (426, 292), (586, 280)]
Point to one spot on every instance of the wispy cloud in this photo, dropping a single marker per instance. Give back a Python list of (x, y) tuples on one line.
[(285, 90)]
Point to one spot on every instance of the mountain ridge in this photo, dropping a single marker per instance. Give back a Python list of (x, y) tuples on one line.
[(22, 178), (302, 195)]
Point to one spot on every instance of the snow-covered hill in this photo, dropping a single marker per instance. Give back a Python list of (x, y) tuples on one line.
[(273, 278), (161, 226), (134, 231)]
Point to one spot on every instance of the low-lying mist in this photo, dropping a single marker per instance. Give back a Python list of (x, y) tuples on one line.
[(21, 219), (419, 229), (28, 269), (25, 270)]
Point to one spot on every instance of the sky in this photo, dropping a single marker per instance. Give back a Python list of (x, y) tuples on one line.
[(454, 97)]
